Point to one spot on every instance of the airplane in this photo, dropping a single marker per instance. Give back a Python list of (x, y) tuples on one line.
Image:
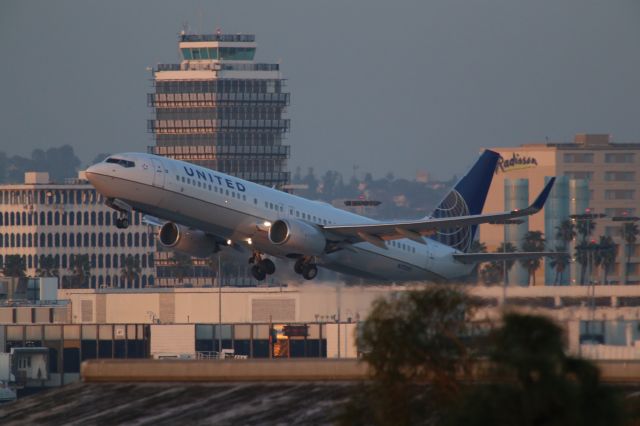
[(199, 211)]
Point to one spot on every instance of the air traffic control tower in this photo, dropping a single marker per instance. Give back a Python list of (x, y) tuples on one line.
[(220, 109)]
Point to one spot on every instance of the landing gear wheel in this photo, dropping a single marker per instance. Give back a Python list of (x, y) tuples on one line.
[(122, 223), (268, 266), (299, 265), (258, 273), (309, 271)]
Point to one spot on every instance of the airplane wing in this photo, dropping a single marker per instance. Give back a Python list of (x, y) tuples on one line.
[(377, 233), (471, 258)]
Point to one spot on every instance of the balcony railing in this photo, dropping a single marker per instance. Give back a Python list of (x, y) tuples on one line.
[(186, 151), (172, 100), (211, 126)]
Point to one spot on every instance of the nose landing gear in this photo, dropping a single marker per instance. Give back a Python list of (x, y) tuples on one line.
[(124, 212)]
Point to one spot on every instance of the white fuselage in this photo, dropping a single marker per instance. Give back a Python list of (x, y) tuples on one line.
[(237, 210)]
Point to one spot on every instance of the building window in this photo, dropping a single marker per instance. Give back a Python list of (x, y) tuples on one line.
[(93, 218), (72, 218), (71, 240), (64, 261), (619, 194), (616, 176), (86, 218), (144, 239), (107, 239), (57, 240), (64, 239), (93, 239), (86, 239), (107, 219), (115, 239), (100, 239), (619, 157), (122, 240), (49, 240), (129, 240), (136, 240), (100, 219), (79, 239), (578, 157)]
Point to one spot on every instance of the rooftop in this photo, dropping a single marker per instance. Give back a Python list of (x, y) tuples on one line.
[(218, 37)]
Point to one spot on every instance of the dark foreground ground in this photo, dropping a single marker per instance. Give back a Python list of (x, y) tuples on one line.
[(181, 403)]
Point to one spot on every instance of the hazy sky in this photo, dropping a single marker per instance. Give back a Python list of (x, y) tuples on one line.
[(393, 86)]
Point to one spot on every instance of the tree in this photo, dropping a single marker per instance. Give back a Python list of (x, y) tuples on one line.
[(47, 267), (80, 268), (585, 254), (14, 266), (606, 256), (130, 270), (533, 241), (559, 263), (584, 228), (566, 232), (630, 233), (416, 336), (491, 273), (536, 382)]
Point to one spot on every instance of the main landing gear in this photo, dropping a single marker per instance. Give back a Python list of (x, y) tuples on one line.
[(261, 267), (306, 267)]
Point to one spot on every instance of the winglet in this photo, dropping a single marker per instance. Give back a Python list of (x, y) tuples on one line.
[(542, 198)]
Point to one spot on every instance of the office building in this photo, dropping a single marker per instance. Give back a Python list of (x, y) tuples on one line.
[(40, 219), (594, 175)]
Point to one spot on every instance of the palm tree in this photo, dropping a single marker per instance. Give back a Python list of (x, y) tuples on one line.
[(14, 266), (584, 251), (630, 233), (48, 267), (565, 232), (80, 268), (606, 255), (585, 227), (130, 270), (559, 263), (532, 241)]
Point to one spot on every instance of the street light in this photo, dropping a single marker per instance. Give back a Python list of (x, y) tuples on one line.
[(587, 217)]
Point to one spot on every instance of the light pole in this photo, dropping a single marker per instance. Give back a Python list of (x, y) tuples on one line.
[(219, 306), (588, 217)]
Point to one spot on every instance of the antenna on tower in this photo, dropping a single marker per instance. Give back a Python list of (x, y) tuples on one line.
[(185, 28)]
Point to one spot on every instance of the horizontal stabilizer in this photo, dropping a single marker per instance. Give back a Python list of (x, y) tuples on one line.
[(470, 258)]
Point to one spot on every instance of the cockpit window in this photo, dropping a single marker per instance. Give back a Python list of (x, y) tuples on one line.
[(120, 162)]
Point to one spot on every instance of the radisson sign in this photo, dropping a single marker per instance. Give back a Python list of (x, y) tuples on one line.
[(516, 162)]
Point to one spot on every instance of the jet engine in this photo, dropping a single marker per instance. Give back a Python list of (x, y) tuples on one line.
[(297, 237), (190, 241)]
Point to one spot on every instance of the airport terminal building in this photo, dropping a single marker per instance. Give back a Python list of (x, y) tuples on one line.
[(593, 174)]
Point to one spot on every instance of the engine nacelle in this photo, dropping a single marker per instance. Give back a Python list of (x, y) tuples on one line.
[(190, 241), (297, 237)]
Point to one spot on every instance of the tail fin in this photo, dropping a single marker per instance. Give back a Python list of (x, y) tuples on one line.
[(467, 198)]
